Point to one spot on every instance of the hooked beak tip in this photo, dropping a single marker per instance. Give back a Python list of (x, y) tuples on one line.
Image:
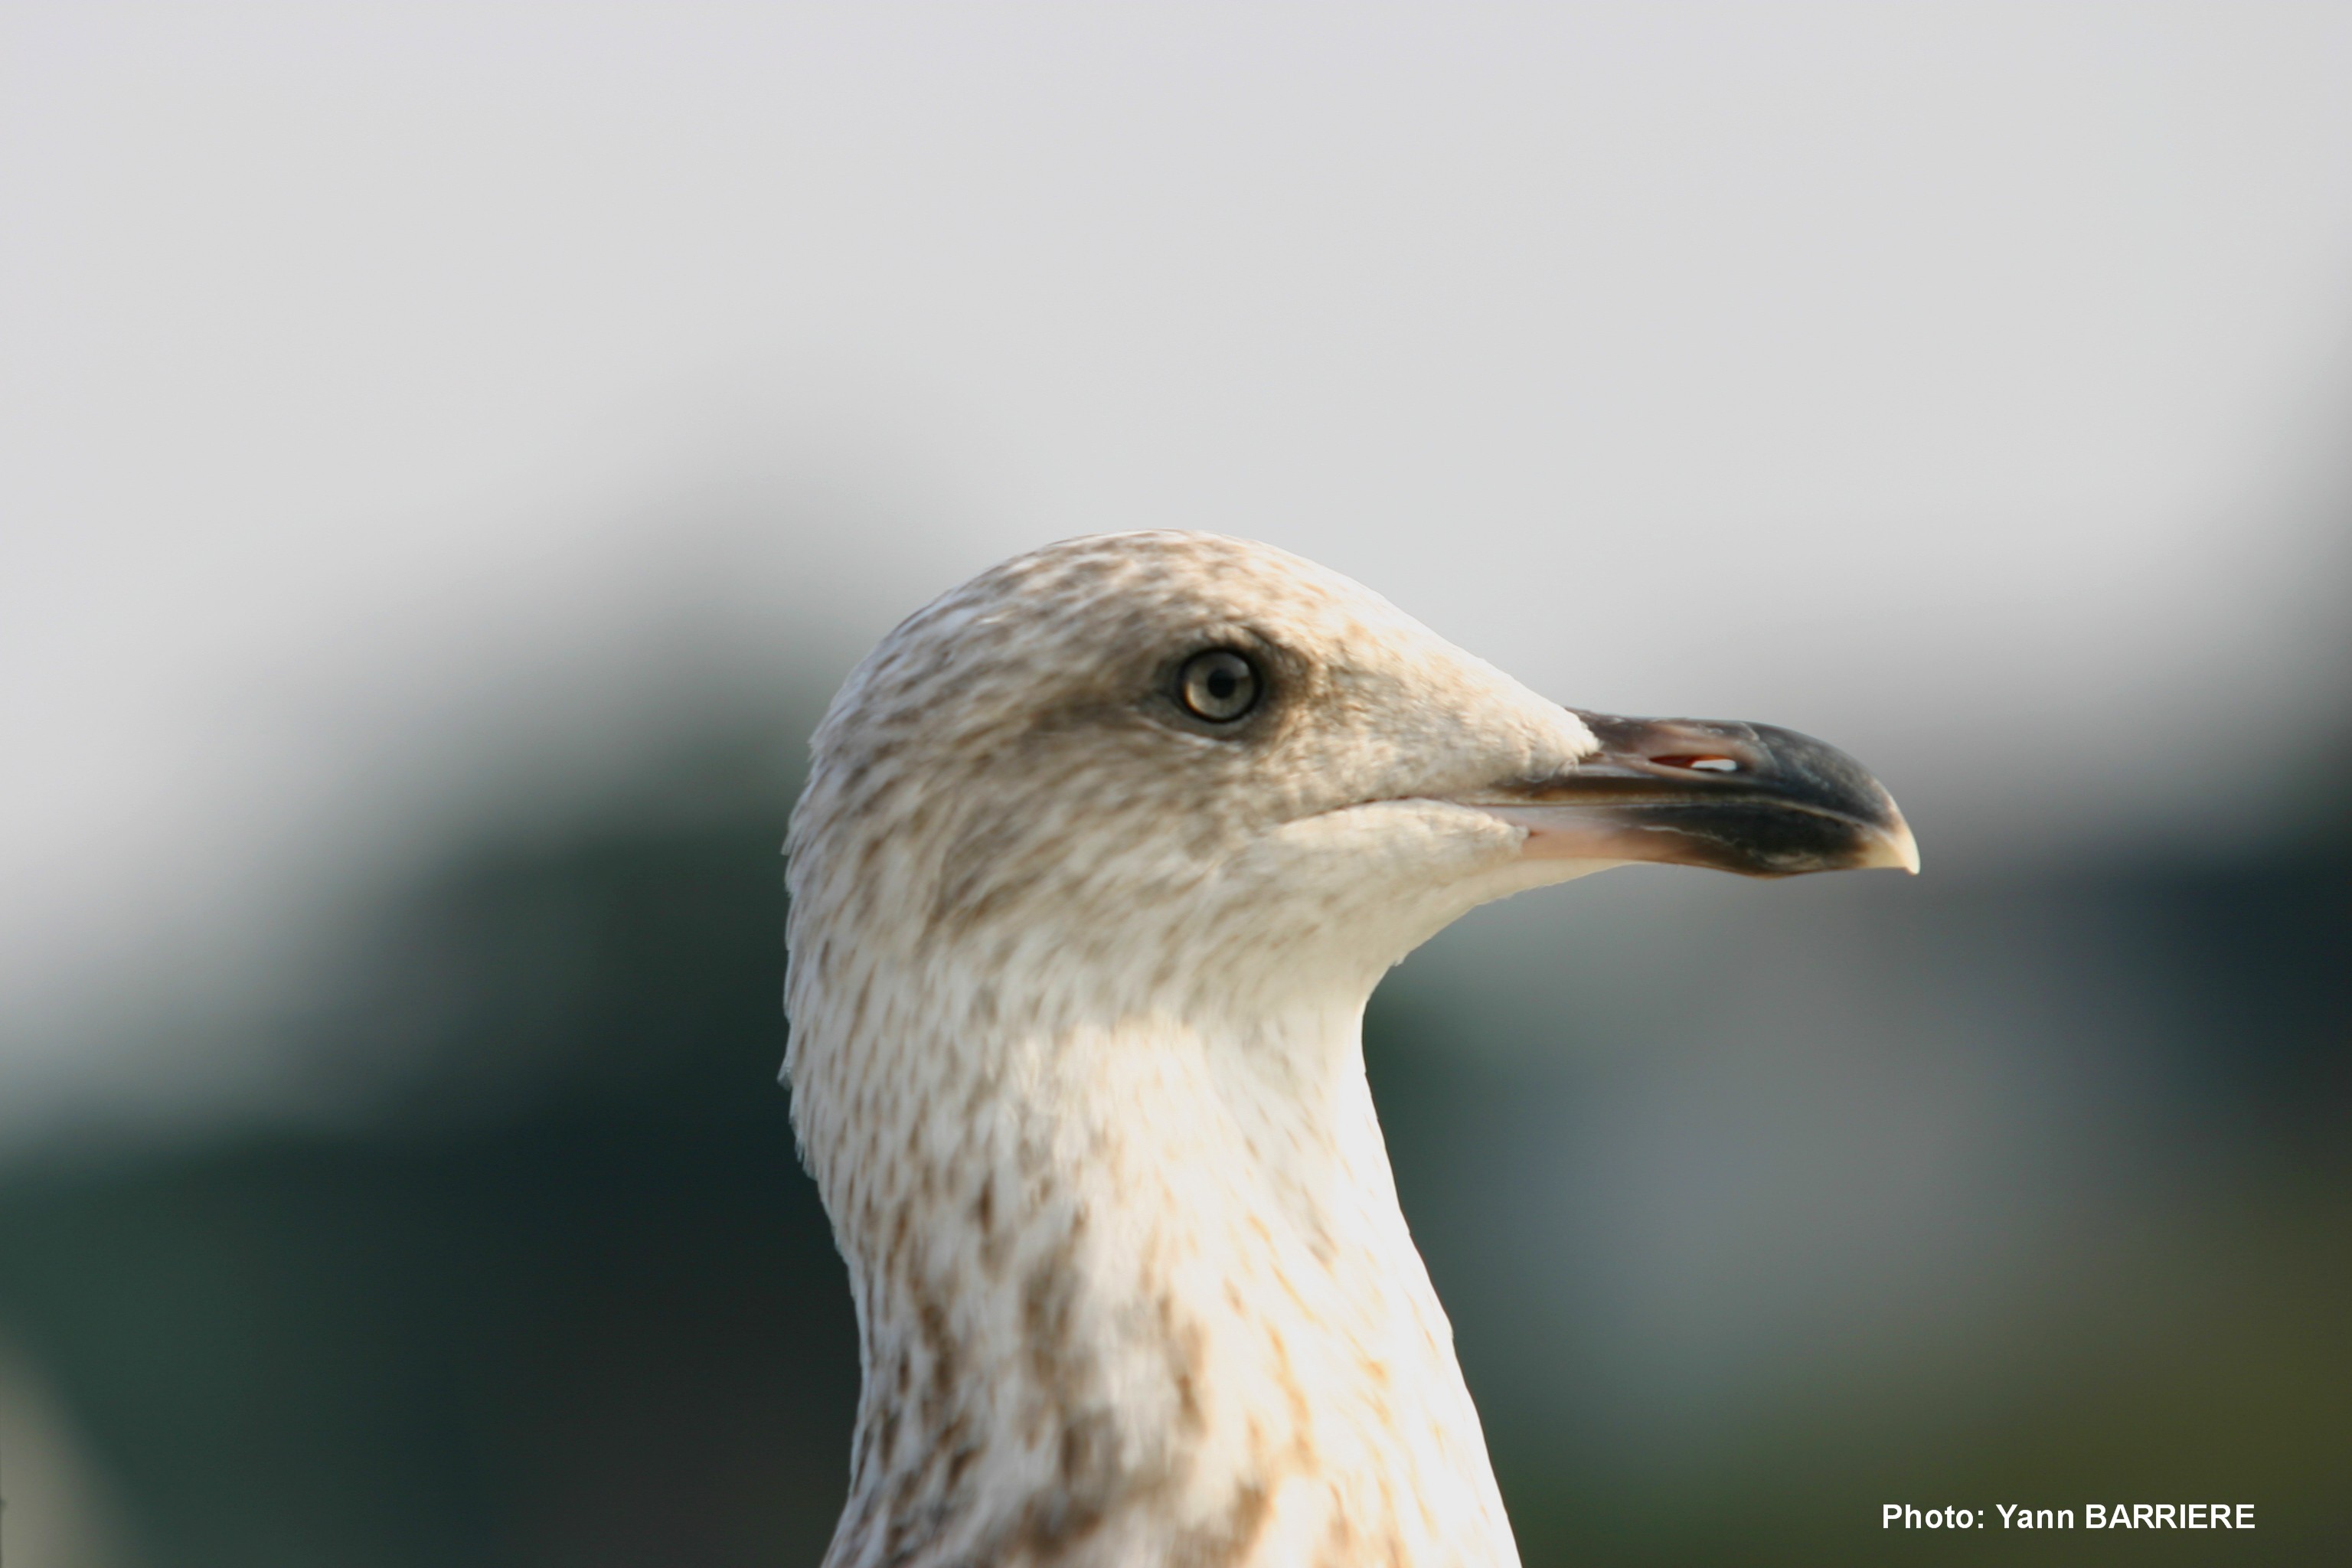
[(1895, 849)]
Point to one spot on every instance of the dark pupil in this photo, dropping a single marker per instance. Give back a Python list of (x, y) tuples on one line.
[(1218, 686)]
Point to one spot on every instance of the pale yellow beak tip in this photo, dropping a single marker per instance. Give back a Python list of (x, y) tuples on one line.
[(1897, 849)]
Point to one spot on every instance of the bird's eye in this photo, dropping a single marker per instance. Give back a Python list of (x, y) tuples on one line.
[(1218, 685)]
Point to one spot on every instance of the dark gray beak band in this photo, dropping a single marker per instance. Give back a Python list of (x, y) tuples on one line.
[(1750, 798)]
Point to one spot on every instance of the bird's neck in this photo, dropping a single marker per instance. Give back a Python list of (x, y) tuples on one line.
[(1140, 1289)]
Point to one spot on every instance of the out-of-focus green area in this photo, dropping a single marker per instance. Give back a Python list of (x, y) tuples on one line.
[(558, 1293), (562, 1296)]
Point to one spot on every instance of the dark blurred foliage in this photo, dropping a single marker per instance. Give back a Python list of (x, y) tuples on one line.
[(568, 1300), (2193, 1340), (562, 1294)]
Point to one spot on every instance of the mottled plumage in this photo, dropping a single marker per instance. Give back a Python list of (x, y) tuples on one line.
[(1076, 983)]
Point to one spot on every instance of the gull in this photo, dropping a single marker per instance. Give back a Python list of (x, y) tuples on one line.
[(1099, 857)]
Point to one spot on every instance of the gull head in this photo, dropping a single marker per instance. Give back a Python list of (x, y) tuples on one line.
[(1180, 769), (1099, 857)]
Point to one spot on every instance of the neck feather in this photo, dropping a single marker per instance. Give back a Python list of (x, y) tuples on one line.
[(1130, 1290)]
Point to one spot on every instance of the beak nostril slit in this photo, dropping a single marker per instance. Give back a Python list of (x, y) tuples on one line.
[(1698, 763)]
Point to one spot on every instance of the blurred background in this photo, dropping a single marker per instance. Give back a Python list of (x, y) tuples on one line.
[(451, 454)]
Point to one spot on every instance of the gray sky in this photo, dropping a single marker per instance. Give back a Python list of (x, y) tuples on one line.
[(1966, 384)]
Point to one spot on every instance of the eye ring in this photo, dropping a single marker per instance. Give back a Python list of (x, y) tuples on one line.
[(1218, 686)]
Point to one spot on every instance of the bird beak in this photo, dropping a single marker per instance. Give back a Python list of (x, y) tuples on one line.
[(1696, 792)]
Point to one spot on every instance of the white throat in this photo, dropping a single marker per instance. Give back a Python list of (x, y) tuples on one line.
[(1128, 1285)]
